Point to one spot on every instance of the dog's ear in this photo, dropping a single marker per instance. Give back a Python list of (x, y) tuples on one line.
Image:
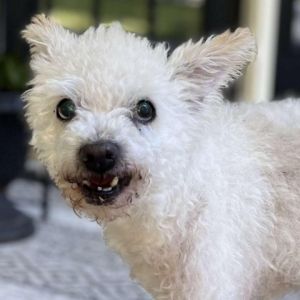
[(43, 35), (214, 63)]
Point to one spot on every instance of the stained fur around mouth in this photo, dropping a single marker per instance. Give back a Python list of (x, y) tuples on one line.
[(87, 184)]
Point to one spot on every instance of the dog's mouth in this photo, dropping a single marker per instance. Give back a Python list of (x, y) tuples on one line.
[(103, 189)]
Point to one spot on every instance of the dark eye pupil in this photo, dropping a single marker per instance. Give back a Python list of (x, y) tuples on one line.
[(145, 111), (66, 109)]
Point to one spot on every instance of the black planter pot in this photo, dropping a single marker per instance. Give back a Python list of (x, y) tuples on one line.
[(13, 139)]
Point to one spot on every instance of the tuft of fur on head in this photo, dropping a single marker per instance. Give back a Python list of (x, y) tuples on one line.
[(106, 71)]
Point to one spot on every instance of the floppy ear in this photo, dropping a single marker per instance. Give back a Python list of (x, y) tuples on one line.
[(43, 35), (209, 65)]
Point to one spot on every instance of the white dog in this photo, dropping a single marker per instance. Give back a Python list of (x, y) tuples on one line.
[(199, 196)]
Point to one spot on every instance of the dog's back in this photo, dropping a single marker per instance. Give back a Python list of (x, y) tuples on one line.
[(275, 132), (249, 161), (282, 144)]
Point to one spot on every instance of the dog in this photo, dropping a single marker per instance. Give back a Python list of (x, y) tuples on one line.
[(200, 196)]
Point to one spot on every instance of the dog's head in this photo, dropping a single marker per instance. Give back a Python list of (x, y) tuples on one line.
[(114, 117)]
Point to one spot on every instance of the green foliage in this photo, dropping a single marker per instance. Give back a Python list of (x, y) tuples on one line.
[(174, 21), (14, 73)]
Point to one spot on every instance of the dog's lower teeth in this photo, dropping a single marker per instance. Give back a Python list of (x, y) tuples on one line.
[(107, 189)]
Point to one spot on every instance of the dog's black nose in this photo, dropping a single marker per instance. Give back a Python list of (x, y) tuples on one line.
[(99, 157)]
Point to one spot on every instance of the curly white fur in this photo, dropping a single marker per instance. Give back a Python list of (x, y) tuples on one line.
[(217, 212)]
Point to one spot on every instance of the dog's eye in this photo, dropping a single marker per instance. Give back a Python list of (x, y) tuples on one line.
[(66, 110), (145, 111)]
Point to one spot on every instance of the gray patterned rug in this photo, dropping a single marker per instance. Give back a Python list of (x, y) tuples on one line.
[(65, 259)]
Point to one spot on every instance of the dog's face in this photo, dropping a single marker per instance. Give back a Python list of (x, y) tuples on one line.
[(113, 117)]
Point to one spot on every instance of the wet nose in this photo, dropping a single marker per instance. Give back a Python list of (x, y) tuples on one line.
[(99, 157)]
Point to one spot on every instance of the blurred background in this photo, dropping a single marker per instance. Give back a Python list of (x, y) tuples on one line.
[(45, 250)]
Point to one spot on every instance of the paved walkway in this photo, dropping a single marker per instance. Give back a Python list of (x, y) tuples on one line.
[(66, 258)]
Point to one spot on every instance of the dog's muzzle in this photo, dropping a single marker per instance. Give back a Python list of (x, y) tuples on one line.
[(102, 185)]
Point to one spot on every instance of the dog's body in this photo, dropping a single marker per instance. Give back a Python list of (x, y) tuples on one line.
[(233, 232), (210, 207)]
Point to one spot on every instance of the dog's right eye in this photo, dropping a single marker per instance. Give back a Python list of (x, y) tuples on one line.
[(66, 110), (144, 111)]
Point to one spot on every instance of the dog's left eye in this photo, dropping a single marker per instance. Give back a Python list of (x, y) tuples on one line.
[(145, 111), (66, 110)]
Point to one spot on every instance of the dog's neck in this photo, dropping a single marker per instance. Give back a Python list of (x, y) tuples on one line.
[(152, 244)]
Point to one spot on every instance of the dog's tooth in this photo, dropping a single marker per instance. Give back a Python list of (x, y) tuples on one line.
[(115, 181), (99, 188), (86, 182), (74, 185), (107, 189)]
